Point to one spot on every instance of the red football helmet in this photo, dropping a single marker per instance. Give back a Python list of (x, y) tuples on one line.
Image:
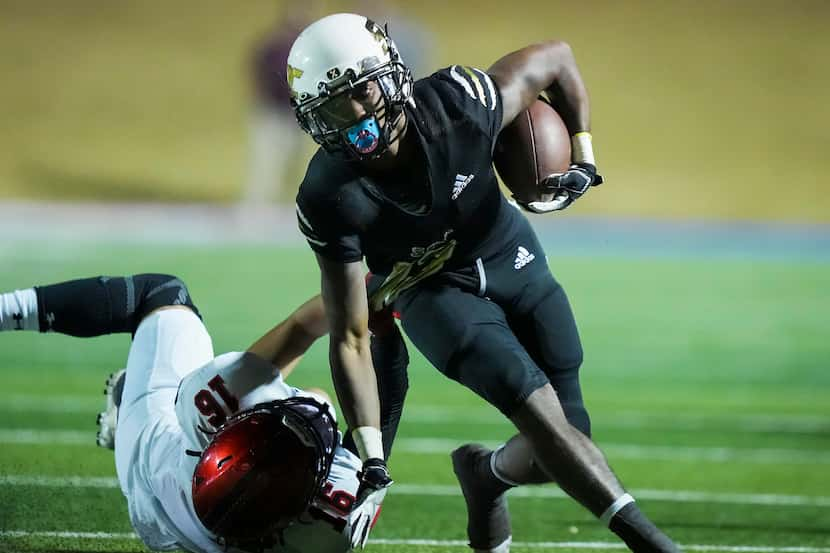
[(263, 468)]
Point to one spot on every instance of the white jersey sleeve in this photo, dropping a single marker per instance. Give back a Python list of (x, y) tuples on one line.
[(232, 382)]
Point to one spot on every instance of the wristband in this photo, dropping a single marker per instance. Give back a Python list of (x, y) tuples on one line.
[(369, 442), (582, 149)]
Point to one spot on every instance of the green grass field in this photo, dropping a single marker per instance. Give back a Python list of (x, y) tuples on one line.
[(707, 381)]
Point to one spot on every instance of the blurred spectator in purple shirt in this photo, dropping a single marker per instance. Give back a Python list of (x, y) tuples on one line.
[(276, 142), (269, 63)]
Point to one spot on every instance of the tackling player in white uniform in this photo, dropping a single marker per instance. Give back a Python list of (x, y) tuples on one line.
[(212, 453)]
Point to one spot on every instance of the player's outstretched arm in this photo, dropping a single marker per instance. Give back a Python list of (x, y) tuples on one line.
[(285, 344), (344, 296)]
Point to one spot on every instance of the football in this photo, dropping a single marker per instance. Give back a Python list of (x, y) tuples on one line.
[(535, 145)]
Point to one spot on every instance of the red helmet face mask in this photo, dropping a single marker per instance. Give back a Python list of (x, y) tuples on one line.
[(262, 469)]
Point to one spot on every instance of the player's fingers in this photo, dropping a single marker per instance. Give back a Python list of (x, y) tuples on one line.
[(551, 183), (360, 531), (559, 201), (573, 181), (365, 534)]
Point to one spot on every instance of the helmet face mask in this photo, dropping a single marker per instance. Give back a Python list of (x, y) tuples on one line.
[(371, 57), (262, 469)]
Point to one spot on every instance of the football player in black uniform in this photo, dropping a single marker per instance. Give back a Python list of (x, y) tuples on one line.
[(404, 180)]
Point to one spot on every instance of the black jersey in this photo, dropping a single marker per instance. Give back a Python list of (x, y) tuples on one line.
[(346, 216)]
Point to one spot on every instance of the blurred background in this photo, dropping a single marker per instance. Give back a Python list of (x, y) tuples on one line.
[(701, 109)]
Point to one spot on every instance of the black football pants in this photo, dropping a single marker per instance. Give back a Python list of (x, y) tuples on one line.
[(504, 333)]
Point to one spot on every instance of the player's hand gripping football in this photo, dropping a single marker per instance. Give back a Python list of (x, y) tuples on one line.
[(565, 188)]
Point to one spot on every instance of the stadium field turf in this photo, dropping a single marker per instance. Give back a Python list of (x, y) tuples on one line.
[(707, 380)]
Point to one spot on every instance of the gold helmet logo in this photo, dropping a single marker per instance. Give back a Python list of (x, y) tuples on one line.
[(293, 73)]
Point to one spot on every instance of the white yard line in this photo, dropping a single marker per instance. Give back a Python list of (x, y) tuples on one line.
[(29, 436), (784, 423), (549, 492), (63, 405), (454, 543), (438, 414), (59, 481), (610, 545), (677, 496), (442, 446), (69, 535), (652, 452)]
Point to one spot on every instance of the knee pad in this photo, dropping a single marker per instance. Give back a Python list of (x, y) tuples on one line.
[(148, 292)]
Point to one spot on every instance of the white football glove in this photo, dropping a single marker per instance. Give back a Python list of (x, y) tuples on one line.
[(565, 188), (361, 517), (557, 202)]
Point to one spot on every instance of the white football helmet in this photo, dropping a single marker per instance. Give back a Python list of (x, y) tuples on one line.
[(334, 55)]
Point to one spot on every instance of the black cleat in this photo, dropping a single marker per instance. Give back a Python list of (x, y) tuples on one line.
[(488, 518)]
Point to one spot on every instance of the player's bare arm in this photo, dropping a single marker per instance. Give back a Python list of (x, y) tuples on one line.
[(285, 344), (547, 67), (344, 297)]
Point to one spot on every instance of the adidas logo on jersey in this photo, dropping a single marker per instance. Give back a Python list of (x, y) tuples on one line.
[(523, 257), (461, 182)]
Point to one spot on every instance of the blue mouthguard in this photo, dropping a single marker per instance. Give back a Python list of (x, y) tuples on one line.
[(364, 136)]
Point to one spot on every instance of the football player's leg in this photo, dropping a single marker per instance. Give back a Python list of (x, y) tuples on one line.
[(169, 343), (480, 350), (579, 467), (543, 321), (91, 306), (547, 446), (105, 305), (391, 361), (468, 339)]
